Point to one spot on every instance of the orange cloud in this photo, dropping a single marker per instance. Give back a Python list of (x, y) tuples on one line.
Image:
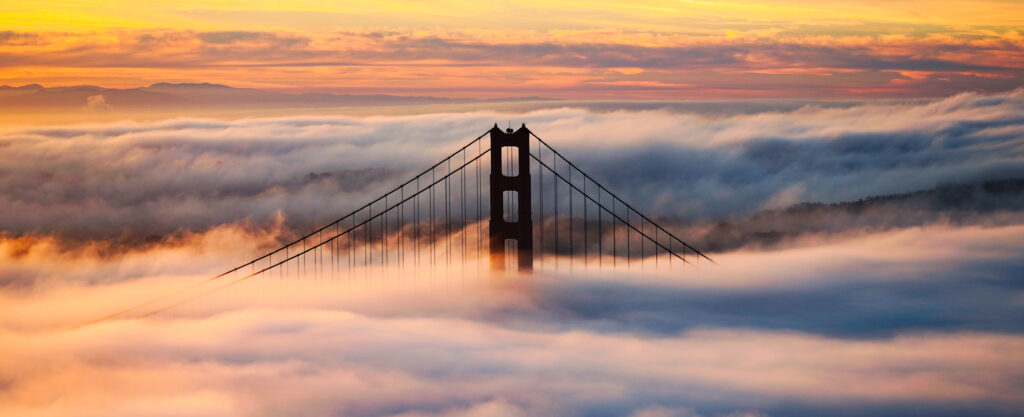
[(488, 63)]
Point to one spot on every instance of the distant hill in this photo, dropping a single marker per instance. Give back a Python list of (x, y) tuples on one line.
[(163, 95), (982, 203), (79, 96)]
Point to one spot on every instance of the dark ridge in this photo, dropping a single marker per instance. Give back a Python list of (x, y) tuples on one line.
[(176, 95), (30, 87), (188, 85), (990, 202)]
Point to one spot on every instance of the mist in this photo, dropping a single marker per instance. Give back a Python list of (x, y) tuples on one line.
[(867, 262)]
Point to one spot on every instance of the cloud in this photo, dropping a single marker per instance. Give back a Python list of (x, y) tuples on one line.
[(871, 286), (239, 37), (937, 278), (565, 63), (922, 318), (785, 198), (97, 102), (134, 182), (318, 362), (44, 261), (910, 304), (9, 37), (905, 310)]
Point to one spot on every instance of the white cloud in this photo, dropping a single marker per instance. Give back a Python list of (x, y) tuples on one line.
[(444, 347)]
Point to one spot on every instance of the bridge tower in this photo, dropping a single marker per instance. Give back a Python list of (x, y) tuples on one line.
[(511, 224)]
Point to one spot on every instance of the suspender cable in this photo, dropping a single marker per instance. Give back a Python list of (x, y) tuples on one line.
[(462, 223), (600, 234), (586, 221), (401, 230), (681, 242), (355, 212), (416, 230), (433, 256), (572, 236), (540, 204), (447, 223), (479, 220), (571, 185)]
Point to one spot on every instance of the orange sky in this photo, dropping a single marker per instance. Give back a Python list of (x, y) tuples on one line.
[(568, 49)]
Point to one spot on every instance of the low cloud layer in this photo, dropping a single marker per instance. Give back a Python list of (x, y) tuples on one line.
[(141, 182), (336, 363), (921, 319), (906, 304)]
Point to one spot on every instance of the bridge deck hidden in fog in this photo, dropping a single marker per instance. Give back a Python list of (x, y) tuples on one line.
[(525, 207)]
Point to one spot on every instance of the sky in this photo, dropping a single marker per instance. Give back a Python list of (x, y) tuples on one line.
[(855, 169), (569, 50)]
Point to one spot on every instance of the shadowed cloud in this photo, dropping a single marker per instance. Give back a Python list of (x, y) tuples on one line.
[(128, 181)]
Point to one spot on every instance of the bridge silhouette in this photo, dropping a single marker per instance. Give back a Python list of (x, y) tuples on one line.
[(526, 207)]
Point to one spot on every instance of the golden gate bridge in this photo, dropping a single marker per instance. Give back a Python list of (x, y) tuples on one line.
[(507, 207)]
